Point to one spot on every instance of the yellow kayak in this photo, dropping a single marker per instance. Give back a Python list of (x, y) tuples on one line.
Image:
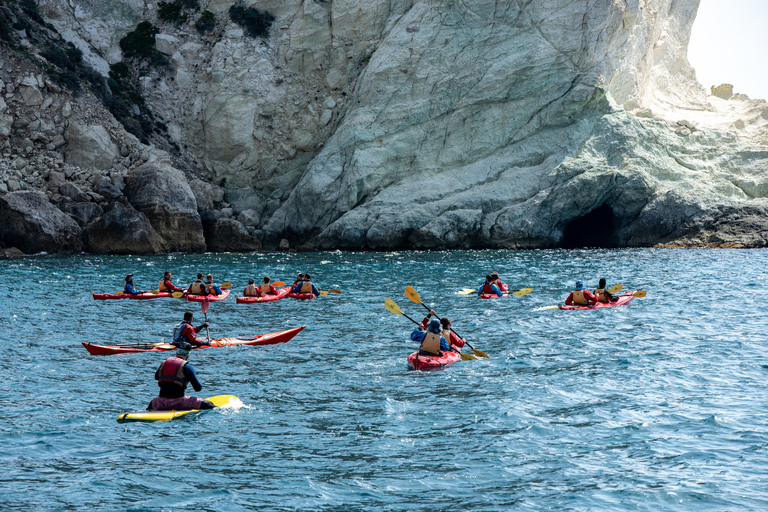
[(223, 401)]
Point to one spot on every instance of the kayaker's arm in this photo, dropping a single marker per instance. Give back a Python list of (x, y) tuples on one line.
[(496, 290), (189, 373), (315, 291), (569, 300)]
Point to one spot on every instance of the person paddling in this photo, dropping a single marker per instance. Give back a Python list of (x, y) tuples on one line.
[(172, 376), (432, 343), (445, 324), (166, 285), (212, 287), (251, 290), (183, 332), (497, 281), (198, 287), (306, 286), (267, 288), (580, 296), (488, 287), (602, 294), (128, 288), (299, 279)]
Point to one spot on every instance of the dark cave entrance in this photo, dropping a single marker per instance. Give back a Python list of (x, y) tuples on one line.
[(595, 229)]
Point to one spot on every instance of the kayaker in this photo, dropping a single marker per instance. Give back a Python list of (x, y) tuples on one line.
[(183, 332), (198, 287), (306, 286), (580, 296), (251, 290), (497, 281), (212, 287), (166, 285), (299, 279), (432, 343), (445, 322), (267, 288), (489, 288), (128, 288), (172, 376), (602, 294)]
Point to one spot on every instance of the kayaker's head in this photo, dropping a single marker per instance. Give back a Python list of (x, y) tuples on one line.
[(446, 323), (199, 277), (434, 326), (266, 279), (300, 277), (129, 278), (189, 316), (494, 275), (209, 278), (488, 279), (251, 281), (182, 351), (307, 277), (602, 283), (579, 285), (167, 275)]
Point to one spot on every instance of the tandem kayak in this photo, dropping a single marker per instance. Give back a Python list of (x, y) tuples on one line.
[(272, 338), (302, 296), (139, 296), (491, 296), (281, 292), (624, 300), (220, 401), (210, 298), (421, 362)]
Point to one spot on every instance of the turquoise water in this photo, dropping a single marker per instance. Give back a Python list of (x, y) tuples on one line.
[(658, 406)]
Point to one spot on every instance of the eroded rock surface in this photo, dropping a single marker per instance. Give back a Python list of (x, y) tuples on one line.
[(34, 225)]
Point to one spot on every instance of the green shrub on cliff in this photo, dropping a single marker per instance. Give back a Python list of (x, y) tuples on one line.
[(255, 22), (206, 23), (171, 13), (140, 45)]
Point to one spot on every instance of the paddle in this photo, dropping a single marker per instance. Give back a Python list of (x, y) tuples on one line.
[(414, 296), (518, 293), (204, 307), (226, 285), (278, 284), (615, 288), (392, 307)]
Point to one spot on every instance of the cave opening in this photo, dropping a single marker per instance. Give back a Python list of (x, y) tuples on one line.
[(595, 229)]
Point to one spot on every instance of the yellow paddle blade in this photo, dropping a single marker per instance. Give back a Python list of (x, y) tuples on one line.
[(639, 293), (278, 283), (392, 307), (119, 292), (467, 291), (480, 353), (522, 291), (177, 295), (323, 293), (153, 292), (334, 290), (412, 294), (467, 357), (615, 288), (226, 285)]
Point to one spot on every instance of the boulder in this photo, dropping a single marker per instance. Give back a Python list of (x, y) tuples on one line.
[(123, 230), (90, 146), (249, 218), (204, 194), (10, 253), (34, 225), (110, 188), (83, 213), (724, 91), (72, 191), (162, 193), (228, 235)]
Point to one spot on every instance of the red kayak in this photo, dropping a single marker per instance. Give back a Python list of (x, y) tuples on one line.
[(140, 296), (504, 290), (302, 296), (260, 339), (624, 300), (419, 362), (281, 292), (211, 298)]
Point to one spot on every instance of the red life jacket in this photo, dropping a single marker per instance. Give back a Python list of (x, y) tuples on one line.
[(488, 290), (172, 372)]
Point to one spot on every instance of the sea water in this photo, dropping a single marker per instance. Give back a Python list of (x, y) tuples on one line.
[(657, 406)]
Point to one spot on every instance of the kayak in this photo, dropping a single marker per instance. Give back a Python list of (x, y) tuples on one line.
[(220, 401), (491, 296), (272, 338), (624, 300), (302, 296), (140, 296), (211, 298), (420, 362), (281, 293)]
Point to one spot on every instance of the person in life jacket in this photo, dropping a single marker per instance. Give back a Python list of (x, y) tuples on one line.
[(432, 343), (489, 288), (299, 278), (306, 286), (267, 288), (495, 280), (198, 287), (183, 332), (172, 376), (602, 294), (212, 287), (580, 296), (166, 285), (128, 288), (251, 290), (445, 323)]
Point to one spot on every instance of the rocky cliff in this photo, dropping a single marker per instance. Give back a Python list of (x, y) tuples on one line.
[(361, 125)]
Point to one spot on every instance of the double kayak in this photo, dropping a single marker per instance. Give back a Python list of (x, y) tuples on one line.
[(272, 338), (623, 300), (209, 298), (504, 290), (281, 293), (139, 296), (422, 362), (220, 401)]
